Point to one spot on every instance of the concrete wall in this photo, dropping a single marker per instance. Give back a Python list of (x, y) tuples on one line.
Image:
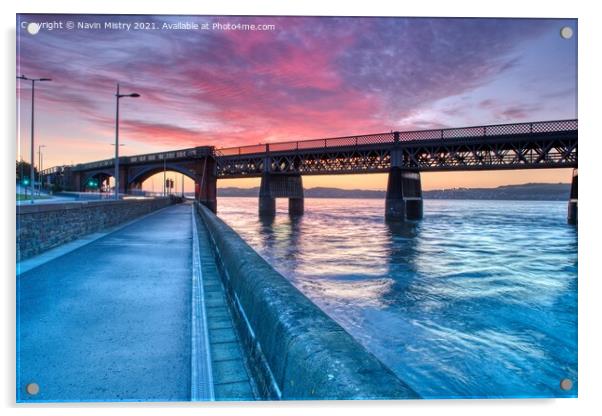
[(295, 350), (41, 227)]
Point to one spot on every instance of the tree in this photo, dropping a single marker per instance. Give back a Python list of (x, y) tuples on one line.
[(23, 170)]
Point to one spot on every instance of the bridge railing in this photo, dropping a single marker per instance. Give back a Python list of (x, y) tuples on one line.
[(149, 157), (405, 136), (52, 170)]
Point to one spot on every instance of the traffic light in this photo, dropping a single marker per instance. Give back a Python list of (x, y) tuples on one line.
[(92, 183), (25, 181)]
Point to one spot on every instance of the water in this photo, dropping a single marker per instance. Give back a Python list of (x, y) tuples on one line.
[(479, 299)]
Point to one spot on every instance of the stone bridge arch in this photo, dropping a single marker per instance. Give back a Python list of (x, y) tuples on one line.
[(102, 175), (137, 175)]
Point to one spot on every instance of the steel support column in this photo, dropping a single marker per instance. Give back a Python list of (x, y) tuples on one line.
[(404, 196), (267, 203), (295, 206), (572, 208), (296, 197), (280, 186)]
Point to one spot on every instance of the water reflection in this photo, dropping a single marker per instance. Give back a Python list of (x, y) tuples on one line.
[(282, 236), (401, 257), (478, 299)]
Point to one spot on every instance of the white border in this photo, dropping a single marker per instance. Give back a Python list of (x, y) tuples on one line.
[(590, 272)]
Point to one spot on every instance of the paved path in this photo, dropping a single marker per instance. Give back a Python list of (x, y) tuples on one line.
[(111, 320)]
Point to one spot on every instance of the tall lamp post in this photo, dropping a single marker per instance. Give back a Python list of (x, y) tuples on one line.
[(164, 177), (118, 96), (40, 166), (33, 87)]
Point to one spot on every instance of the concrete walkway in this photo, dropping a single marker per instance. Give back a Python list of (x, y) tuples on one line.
[(111, 320)]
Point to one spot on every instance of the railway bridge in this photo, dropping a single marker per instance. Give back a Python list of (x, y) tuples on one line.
[(401, 154)]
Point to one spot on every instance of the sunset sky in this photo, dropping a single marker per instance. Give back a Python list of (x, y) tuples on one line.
[(308, 78)]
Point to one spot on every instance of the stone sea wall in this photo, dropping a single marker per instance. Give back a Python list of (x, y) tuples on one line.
[(41, 227), (294, 349)]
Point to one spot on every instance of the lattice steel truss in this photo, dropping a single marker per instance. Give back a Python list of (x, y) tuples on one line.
[(545, 144), (550, 144)]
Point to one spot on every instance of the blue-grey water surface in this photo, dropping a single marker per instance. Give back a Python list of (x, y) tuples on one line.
[(479, 299)]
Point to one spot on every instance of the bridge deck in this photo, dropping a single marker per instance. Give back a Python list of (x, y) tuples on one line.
[(111, 320)]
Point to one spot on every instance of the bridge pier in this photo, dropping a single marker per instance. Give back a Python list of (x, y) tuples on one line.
[(267, 203), (572, 208), (75, 182), (124, 180), (280, 186), (404, 195), (205, 184), (296, 205)]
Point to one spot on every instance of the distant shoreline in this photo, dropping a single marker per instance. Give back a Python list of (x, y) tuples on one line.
[(523, 192)]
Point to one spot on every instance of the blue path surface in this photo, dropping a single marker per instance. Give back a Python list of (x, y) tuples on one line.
[(110, 321)]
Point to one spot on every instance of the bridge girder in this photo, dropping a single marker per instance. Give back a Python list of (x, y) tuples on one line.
[(558, 151)]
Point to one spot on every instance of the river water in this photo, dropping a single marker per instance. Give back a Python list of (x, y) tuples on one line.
[(479, 299)]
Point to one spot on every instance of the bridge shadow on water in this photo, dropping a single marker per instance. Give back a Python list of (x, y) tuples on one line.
[(402, 243), (282, 236), (286, 237)]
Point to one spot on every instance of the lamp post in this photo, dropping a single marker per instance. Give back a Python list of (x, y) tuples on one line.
[(118, 96), (21, 173), (40, 167), (108, 182), (33, 87)]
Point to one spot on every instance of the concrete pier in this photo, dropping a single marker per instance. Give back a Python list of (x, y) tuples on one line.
[(404, 196), (280, 186), (267, 203), (572, 206), (295, 206)]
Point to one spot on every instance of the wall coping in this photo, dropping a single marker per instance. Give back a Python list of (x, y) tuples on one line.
[(42, 207)]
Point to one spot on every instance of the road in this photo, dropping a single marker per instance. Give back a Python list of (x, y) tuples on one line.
[(110, 321)]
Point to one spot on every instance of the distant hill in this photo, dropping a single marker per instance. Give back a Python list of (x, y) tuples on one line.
[(528, 191)]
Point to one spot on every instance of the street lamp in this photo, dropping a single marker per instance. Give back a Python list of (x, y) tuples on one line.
[(120, 145), (164, 177), (33, 87), (40, 168), (118, 96)]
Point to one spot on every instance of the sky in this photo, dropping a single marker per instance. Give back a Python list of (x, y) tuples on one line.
[(301, 78)]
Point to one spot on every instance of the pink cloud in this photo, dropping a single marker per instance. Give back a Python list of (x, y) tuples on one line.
[(311, 77)]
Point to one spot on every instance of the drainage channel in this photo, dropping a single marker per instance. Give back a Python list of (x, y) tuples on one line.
[(219, 370)]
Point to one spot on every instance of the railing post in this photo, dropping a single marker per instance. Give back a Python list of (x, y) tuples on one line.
[(267, 161)]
